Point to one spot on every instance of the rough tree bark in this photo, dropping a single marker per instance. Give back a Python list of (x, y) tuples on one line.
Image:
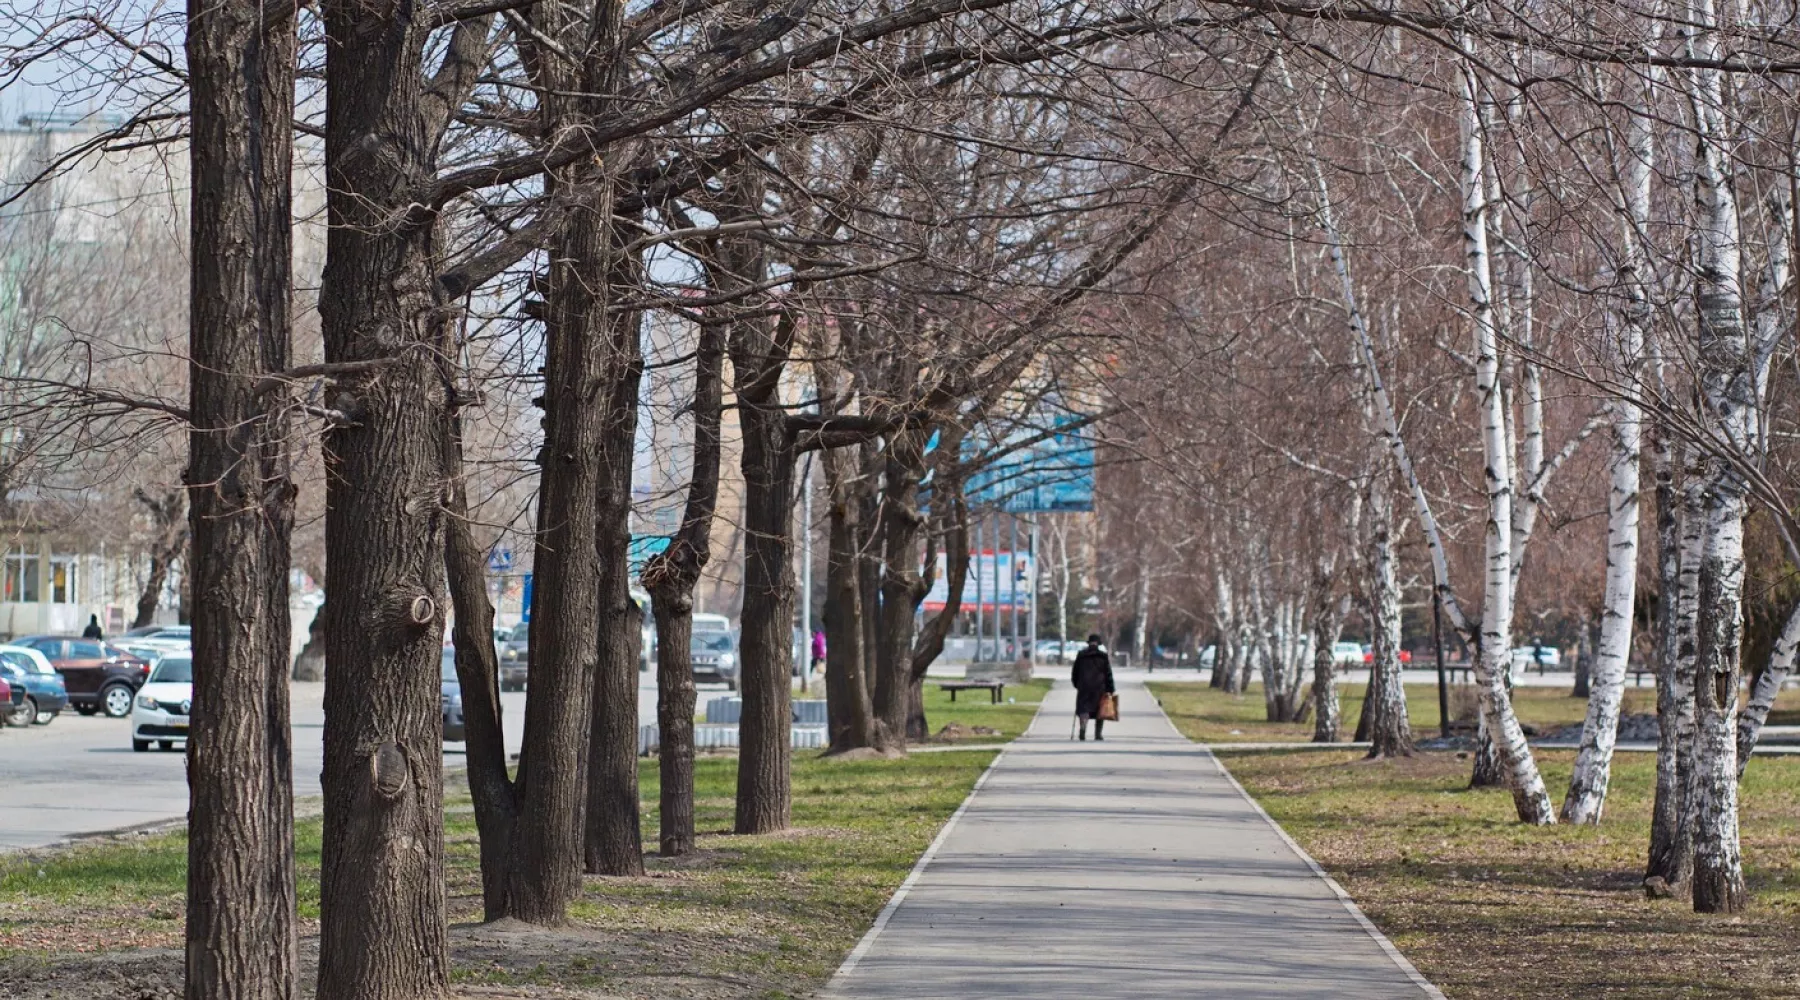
[(1678, 557), (759, 348), (240, 934), (902, 586), (382, 910), (1727, 394), (670, 578), (615, 839)]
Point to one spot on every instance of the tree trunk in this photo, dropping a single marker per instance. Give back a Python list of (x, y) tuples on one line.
[(580, 368), (1584, 658), (670, 577), (1140, 612), (1328, 627), (1768, 686), (382, 932), (1493, 663), (901, 585), (615, 838), (1593, 763), (764, 787), (1389, 730), (240, 929), (847, 695), (478, 673), (1678, 539), (1727, 387), (168, 516)]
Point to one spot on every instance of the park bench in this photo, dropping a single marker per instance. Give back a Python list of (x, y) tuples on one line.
[(994, 688)]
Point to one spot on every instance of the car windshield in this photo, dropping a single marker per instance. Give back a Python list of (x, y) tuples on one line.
[(174, 670), (712, 642), (28, 664)]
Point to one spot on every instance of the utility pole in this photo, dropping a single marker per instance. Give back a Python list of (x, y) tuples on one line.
[(806, 572)]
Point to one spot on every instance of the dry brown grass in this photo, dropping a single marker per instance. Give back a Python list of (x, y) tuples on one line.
[(1492, 910)]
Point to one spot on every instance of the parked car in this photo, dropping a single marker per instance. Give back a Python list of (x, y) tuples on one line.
[(714, 650), (159, 636), (1368, 655), (160, 712), (1545, 657), (1057, 651), (100, 676), (450, 697), (45, 694), (515, 657), (11, 698), (1347, 654), (183, 632)]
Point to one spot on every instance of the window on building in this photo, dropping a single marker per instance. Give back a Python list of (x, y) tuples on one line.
[(22, 578), (22, 584), (62, 579)]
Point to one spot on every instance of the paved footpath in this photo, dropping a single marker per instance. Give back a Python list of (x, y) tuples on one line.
[(1129, 868)]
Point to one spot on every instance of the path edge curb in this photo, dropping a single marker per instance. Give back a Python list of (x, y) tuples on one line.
[(867, 941), (1343, 897)]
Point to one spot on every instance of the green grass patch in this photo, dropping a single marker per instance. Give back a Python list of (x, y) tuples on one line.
[(972, 709), (1490, 909), (758, 916)]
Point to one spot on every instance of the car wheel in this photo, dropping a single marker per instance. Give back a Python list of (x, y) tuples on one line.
[(141, 746), (116, 699), (166, 744), (731, 685), (87, 709), (45, 718), (24, 714)]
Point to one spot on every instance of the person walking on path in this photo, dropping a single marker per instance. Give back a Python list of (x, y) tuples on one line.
[(818, 651), (93, 628), (1093, 680)]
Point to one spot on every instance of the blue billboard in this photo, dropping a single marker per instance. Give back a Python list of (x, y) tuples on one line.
[(1045, 466)]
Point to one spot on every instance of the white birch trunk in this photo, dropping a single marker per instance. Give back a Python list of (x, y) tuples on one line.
[(1390, 731), (1530, 797), (1606, 684), (1727, 389), (1140, 614), (1223, 627), (1762, 698)]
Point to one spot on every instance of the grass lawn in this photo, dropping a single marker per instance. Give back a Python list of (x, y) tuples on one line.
[(1492, 910), (767, 916), (972, 709), (1211, 716)]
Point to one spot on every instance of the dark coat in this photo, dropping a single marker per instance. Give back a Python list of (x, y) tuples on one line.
[(1092, 677)]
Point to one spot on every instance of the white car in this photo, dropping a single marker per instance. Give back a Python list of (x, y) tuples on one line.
[(159, 713), (1347, 654)]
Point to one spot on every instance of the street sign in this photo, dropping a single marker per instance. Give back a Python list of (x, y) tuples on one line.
[(500, 561)]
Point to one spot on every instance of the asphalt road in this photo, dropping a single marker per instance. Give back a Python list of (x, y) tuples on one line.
[(79, 774)]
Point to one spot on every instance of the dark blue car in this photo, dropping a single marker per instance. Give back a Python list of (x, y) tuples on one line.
[(45, 693)]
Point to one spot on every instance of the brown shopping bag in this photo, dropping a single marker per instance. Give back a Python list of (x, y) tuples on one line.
[(1109, 708)]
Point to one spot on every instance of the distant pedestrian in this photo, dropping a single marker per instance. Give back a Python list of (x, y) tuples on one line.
[(1093, 680), (818, 650), (93, 628)]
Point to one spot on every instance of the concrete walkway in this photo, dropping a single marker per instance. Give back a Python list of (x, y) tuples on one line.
[(1130, 868)]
